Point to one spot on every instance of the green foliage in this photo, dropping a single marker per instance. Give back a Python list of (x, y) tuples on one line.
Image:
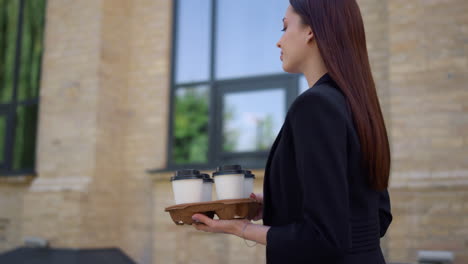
[(31, 49), (266, 137), (29, 74), (29, 81), (231, 136), (9, 10), (2, 137), (191, 126), (25, 138)]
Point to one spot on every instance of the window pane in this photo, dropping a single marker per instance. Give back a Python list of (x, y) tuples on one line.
[(2, 137), (8, 34), (191, 116), (193, 41), (246, 37), (303, 85), (31, 49), (25, 137), (251, 120)]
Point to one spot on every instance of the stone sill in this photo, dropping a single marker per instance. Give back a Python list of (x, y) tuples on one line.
[(17, 179)]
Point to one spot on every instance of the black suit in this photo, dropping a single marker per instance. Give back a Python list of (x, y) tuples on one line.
[(316, 196)]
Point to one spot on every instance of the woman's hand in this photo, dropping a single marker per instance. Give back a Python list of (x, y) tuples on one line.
[(204, 223), (254, 232), (259, 198)]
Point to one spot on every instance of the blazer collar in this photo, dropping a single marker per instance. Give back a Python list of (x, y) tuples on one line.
[(326, 78)]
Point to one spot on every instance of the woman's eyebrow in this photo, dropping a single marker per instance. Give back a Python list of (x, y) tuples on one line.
[(284, 18)]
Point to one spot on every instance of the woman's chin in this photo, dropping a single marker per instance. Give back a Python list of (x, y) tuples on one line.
[(289, 69), (285, 67)]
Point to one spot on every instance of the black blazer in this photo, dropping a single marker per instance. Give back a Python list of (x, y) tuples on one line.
[(316, 196)]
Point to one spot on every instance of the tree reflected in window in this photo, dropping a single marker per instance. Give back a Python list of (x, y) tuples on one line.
[(191, 125)]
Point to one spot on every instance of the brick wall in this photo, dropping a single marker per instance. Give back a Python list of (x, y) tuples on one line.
[(103, 122), (428, 75), (429, 93), (429, 218), (11, 210)]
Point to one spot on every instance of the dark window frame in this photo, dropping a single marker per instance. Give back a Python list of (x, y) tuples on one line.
[(258, 158), (10, 109)]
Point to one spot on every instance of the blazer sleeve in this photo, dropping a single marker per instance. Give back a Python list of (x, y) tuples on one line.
[(318, 128), (385, 214)]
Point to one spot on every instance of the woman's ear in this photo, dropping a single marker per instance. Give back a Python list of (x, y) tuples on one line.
[(310, 35)]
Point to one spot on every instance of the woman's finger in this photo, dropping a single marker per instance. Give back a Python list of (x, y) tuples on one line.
[(258, 215), (202, 219), (201, 227), (257, 197)]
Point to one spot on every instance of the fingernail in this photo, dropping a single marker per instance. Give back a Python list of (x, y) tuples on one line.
[(194, 218)]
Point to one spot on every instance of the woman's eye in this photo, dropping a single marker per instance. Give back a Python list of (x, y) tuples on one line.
[(284, 29)]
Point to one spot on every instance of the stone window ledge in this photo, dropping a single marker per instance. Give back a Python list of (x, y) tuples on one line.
[(17, 178)]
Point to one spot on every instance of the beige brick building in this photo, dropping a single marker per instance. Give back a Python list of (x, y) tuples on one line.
[(104, 115)]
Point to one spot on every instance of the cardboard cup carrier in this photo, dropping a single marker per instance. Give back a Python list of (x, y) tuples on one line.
[(193, 194)]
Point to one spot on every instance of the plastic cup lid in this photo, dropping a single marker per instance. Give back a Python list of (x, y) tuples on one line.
[(207, 178), (248, 174), (228, 169), (186, 175)]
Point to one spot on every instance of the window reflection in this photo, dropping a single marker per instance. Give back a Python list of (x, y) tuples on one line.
[(2, 137), (191, 125), (26, 121), (193, 41), (8, 36), (22, 107), (251, 120), (247, 33), (31, 49)]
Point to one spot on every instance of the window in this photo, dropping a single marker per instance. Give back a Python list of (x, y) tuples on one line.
[(229, 94), (22, 28), (249, 123)]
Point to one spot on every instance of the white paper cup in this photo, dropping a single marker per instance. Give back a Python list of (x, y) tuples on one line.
[(207, 189), (229, 182), (248, 187), (248, 183), (188, 187)]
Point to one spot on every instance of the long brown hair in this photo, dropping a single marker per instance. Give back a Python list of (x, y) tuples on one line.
[(339, 31)]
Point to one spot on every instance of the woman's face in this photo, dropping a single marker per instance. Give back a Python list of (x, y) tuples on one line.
[(295, 42)]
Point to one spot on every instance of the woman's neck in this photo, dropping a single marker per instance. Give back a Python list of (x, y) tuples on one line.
[(314, 70)]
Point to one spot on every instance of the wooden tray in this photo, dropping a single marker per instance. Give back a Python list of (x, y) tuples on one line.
[(225, 209)]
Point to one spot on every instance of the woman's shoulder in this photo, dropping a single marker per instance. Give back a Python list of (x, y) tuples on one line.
[(321, 99)]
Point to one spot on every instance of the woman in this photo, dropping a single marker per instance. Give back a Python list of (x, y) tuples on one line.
[(325, 188)]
